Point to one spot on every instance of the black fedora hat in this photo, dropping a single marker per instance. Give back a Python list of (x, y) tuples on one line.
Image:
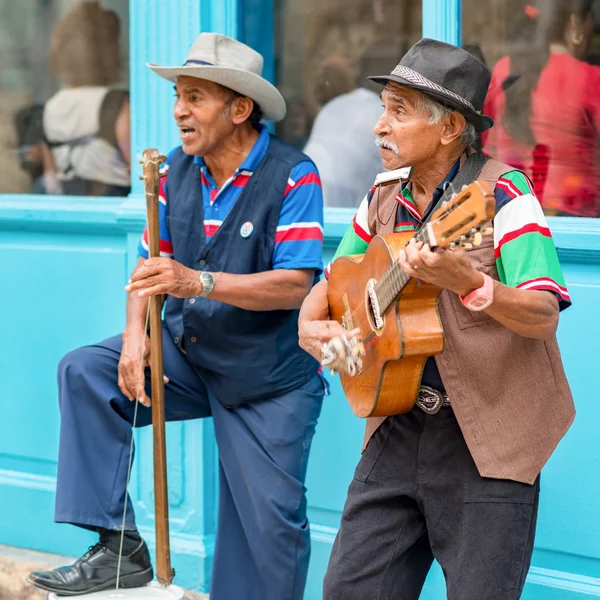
[(449, 74)]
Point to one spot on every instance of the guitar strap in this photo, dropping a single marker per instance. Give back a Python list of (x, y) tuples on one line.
[(467, 175)]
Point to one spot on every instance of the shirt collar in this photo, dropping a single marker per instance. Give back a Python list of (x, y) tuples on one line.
[(254, 157)]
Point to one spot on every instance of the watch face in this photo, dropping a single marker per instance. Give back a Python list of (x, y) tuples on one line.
[(480, 302), (207, 279)]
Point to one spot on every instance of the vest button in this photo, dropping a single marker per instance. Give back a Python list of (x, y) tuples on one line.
[(176, 340), (192, 300), (193, 339), (202, 262)]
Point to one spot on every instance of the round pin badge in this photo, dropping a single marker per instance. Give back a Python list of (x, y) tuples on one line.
[(246, 229)]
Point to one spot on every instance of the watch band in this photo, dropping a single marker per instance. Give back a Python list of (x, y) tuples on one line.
[(480, 298)]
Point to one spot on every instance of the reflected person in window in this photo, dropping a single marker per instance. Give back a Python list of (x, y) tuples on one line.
[(546, 102), (341, 139), (457, 477), (87, 122)]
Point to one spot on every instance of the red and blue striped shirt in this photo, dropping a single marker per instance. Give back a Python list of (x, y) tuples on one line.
[(299, 236)]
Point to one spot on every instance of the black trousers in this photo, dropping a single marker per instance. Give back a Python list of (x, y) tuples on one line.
[(416, 496)]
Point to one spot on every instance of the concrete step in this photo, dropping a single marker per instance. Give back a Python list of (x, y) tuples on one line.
[(16, 564)]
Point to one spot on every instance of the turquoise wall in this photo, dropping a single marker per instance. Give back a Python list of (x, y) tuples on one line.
[(63, 265)]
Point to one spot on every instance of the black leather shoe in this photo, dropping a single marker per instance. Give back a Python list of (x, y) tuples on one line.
[(96, 570)]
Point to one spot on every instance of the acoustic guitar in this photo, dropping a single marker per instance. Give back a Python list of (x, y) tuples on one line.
[(396, 314)]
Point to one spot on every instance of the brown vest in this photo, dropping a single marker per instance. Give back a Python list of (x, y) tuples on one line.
[(509, 393)]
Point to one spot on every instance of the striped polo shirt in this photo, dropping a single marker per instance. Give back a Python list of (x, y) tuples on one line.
[(299, 236), (525, 254)]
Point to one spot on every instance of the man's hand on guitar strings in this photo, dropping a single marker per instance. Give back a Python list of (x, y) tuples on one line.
[(343, 355), (314, 334), (449, 269)]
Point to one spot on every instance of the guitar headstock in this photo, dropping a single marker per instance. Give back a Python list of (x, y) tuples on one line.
[(460, 221), (151, 161)]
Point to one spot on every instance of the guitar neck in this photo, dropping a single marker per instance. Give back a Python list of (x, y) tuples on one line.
[(455, 220), (394, 280)]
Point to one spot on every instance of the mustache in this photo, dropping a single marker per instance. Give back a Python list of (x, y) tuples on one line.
[(381, 142)]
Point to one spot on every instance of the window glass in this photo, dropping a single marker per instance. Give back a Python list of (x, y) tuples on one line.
[(545, 94), (323, 52), (64, 103)]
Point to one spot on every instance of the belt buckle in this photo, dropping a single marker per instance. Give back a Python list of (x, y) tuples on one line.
[(429, 400)]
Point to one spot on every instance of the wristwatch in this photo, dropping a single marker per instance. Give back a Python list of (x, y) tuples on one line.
[(208, 283), (480, 298)]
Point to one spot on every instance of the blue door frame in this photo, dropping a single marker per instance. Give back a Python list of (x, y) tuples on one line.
[(64, 264)]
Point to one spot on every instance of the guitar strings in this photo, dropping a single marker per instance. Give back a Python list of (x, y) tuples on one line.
[(135, 411)]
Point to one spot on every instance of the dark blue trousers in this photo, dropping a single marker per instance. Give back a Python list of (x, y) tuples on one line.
[(263, 540)]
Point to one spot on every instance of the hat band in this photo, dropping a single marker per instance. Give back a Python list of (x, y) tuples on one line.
[(198, 62), (418, 79)]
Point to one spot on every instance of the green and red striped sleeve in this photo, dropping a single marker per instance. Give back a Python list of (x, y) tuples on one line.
[(357, 237), (525, 253)]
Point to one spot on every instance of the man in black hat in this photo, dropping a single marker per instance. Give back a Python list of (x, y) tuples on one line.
[(457, 477)]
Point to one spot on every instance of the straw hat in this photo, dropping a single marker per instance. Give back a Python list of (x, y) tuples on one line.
[(234, 65)]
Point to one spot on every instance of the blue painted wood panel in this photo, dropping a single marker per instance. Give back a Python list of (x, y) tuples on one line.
[(442, 20)]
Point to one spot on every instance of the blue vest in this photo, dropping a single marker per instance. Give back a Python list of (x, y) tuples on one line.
[(243, 355)]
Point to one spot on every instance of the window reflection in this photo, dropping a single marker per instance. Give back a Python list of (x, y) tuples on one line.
[(324, 50), (64, 106), (544, 96)]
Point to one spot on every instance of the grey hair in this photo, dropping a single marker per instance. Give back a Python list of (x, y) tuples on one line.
[(437, 112)]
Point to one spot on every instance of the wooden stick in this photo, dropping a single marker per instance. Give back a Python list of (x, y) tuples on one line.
[(152, 161)]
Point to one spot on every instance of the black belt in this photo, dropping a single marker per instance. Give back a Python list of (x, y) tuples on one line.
[(430, 400)]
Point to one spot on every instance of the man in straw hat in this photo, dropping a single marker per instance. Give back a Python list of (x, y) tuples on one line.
[(457, 477), (241, 243)]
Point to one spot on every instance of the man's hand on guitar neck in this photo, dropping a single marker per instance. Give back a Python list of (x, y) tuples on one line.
[(530, 313), (447, 269)]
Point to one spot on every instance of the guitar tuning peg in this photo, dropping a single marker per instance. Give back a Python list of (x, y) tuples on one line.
[(467, 246), (162, 158), (477, 239), (141, 178), (488, 231), (142, 161)]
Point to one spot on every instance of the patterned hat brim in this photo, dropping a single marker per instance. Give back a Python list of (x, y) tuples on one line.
[(482, 122)]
